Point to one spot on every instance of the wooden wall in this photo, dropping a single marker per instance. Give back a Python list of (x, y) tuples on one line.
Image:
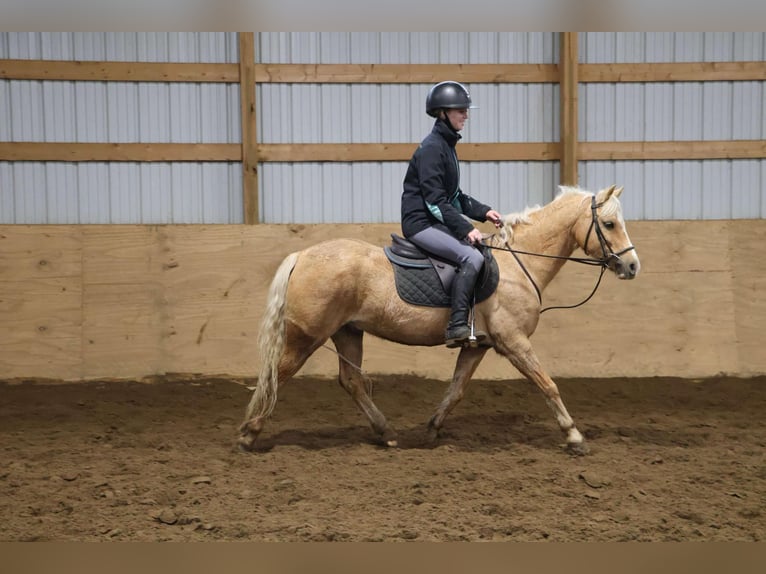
[(83, 302)]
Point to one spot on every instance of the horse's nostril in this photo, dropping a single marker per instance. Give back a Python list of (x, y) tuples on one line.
[(632, 267)]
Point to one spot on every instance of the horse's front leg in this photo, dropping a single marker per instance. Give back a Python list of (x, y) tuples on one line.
[(467, 361), (523, 357)]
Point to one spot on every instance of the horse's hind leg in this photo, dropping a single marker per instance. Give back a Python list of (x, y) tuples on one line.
[(348, 342), (298, 347), (467, 362)]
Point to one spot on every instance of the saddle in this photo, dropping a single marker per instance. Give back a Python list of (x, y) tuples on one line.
[(426, 280)]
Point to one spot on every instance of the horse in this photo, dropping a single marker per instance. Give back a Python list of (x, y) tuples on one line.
[(340, 289)]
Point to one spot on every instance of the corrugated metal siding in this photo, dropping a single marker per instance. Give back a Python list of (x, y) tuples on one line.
[(305, 113), (369, 192), (121, 46), (709, 189), (43, 111), (97, 192)]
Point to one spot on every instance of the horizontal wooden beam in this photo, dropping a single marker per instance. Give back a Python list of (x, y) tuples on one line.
[(725, 149), (405, 73), (533, 151), (139, 152), (675, 72), (117, 71), (334, 152), (76, 152), (402, 152), (277, 73), (378, 73), (374, 152)]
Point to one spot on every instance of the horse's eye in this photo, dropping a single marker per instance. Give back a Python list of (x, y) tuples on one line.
[(609, 224)]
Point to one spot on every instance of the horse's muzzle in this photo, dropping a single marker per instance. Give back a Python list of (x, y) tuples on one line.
[(624, 269)]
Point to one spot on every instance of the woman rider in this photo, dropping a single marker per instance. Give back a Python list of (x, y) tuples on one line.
[(435, 210)]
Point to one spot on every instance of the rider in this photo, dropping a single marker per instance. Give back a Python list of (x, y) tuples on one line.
[(435, 210)]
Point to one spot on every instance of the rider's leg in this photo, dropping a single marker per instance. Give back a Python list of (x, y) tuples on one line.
[(469, 261), (458, 331)]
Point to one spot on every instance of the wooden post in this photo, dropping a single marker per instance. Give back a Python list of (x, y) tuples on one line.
[(568, 62), (249, 143)]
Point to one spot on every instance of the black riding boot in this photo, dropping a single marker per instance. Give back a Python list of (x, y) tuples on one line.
[(458, 330)]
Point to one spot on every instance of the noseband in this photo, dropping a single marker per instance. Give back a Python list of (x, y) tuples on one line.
[(608, 256)]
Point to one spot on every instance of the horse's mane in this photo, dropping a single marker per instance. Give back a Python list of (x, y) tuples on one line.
[(511, 220)]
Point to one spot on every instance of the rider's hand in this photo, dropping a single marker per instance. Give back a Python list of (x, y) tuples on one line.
[(474, 236), (494, 217)]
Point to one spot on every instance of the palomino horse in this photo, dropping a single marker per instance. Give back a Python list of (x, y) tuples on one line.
[(342, 288)]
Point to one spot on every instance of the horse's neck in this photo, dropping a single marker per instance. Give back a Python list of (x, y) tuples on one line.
[(549, 233)]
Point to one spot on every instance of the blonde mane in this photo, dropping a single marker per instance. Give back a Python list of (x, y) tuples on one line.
[(512, 220)]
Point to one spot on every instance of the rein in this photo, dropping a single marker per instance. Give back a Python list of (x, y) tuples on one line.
[(608, 255)]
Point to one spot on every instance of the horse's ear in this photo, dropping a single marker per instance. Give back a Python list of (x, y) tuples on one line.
[(604, 195), (618, 191)]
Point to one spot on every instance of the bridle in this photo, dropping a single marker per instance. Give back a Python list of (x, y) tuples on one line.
[(608, 257)]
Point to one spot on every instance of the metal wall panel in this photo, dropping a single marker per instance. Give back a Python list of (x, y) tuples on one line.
[(369, 192), (121, 46), (307, 113), (709, 189), (92, 192), (124, 192)]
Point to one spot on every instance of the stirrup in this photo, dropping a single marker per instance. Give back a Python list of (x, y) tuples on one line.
[(473, 339)]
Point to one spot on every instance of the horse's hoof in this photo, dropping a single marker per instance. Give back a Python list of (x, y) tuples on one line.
[(578, 448), (245, 443), (388, 438)]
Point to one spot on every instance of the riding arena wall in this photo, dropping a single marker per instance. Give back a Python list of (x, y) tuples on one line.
[(133, 301), (150, 184)]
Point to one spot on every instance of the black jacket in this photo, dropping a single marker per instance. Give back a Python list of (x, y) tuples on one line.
[(432, 194)]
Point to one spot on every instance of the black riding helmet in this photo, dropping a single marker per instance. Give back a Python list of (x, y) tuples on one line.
[(452, 95)]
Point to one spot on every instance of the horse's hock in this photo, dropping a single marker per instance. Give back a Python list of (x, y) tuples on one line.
[(84, 302)]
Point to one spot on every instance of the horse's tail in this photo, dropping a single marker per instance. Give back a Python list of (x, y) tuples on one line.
[(271, 341)]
